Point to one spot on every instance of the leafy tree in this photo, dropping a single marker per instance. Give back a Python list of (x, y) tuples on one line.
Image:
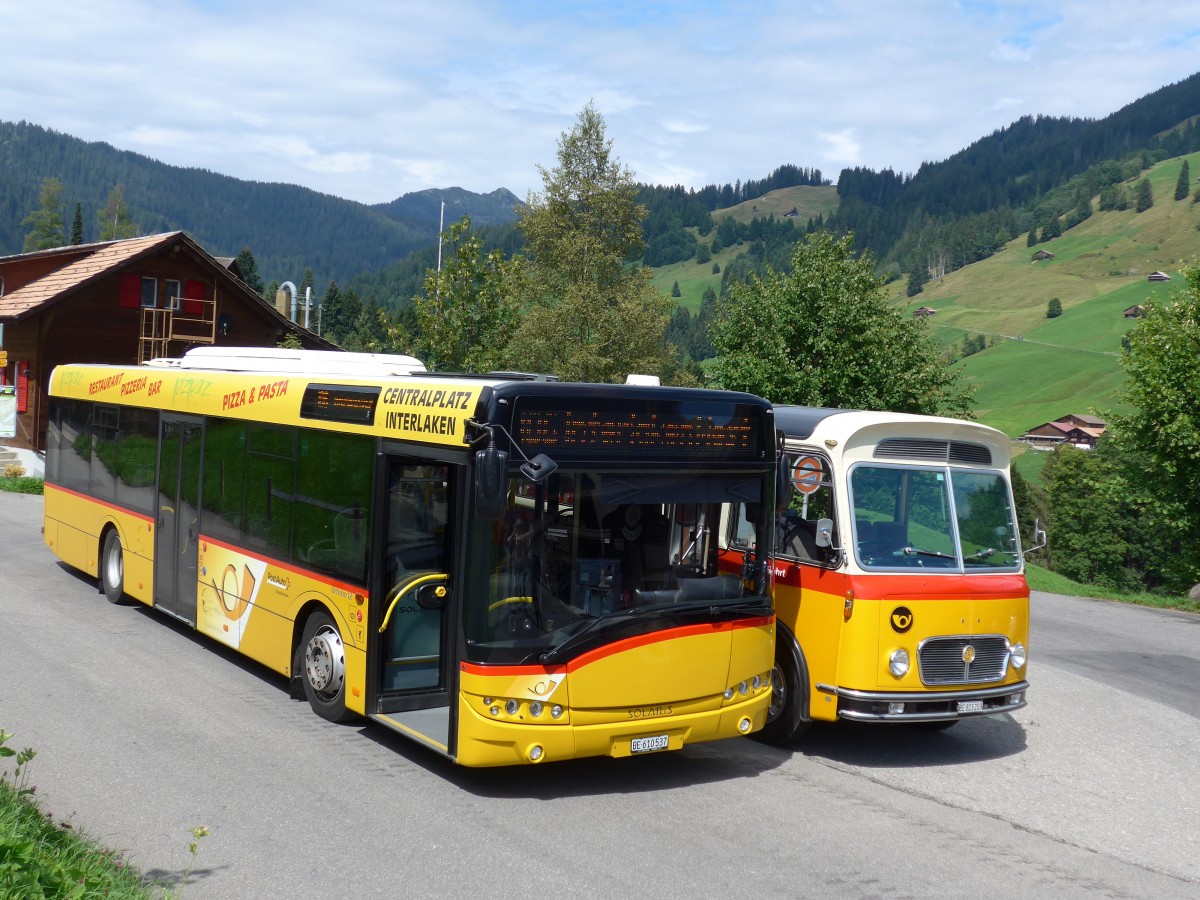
[(77, 226), (115, 223), (249, 269), (467, 314), (824, 334), (1183, 185), (1054, 308), (1163, 431), (675, 290), (1145, 195), (1083, 489), (46, 222), (588, 317)]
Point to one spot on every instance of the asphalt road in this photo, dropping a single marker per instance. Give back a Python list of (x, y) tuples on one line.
[(143, 730)]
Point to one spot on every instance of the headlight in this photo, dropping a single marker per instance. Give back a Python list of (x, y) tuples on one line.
[(898, 662), (1016, 656)]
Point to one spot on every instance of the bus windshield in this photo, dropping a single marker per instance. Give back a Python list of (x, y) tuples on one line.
[(943, 518), (590, 556)]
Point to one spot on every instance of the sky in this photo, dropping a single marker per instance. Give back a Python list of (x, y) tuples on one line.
[(372, 99)]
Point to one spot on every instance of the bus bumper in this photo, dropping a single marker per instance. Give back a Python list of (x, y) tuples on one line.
[(940, 706)]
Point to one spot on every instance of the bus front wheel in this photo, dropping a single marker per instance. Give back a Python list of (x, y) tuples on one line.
[(785, 713), (322, 663), (112, 567)]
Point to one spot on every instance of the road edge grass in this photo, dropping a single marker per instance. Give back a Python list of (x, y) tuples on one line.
[(1048, 582)]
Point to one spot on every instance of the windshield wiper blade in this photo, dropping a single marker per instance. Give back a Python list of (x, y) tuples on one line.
[(575, 639), (917, 551)]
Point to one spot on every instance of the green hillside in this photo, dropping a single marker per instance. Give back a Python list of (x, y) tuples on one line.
[(1040, 369), (694, 278)]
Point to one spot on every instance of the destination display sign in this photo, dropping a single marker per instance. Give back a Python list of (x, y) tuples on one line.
[(351, 404)]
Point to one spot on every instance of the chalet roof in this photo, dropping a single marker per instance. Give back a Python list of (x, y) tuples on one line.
[(86, 263), (1092, 421), (96, 261), (1158, 276)]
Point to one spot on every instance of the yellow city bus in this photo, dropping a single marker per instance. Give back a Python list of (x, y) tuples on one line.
[(505, 569), (898, 573)]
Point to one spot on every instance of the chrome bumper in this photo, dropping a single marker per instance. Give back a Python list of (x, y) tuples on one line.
[(933, 706)]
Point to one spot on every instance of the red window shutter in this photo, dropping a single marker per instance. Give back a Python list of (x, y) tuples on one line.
[(193, 293), (131, 291)]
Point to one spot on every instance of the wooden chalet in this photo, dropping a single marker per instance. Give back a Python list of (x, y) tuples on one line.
[(1158, 276), (924, 312), (1042, 254), (1136, 311), (121, 302), (1079, 431)]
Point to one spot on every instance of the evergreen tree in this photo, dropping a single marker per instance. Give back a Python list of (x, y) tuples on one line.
[(46, 222), (1145, 195), (249, 269), (916, 281), (115, 223), (716, 269), (1183, 185), (1033, 237), (1054, 308), (675, 290), (588, 317), (77, 226)]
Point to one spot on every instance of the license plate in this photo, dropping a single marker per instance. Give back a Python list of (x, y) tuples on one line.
[(969, 706), (649, 744)]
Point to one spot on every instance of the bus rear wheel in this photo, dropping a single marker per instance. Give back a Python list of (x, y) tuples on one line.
[(322, 668), (112, 567)]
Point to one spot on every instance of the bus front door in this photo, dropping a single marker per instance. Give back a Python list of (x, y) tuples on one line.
[(413, 694), (175, 541)]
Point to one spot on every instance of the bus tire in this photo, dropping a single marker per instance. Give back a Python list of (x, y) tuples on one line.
[(786, 722), (112, 567), (321, 664)]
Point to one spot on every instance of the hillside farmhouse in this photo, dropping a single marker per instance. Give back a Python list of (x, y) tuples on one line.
[(1135, 312), (1079, 431), (120, 302), (1158, 276), (924, 313), (1042, 254)]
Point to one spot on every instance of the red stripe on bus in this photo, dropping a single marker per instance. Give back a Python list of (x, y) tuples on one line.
[(925, 585), (106, 504), (641, 640)]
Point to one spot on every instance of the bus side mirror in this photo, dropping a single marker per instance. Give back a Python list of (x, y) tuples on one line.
[(783, 485), (1039, 538), (491, 483), (825, 533)]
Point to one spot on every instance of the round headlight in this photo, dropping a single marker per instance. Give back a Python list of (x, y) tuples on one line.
[(556, 711), (1016, 656), (535, 709), (756, 682), (898, 662), (511, 707), (743, 687), (728, 695)]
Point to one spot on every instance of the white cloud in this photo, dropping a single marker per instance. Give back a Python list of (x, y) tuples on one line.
[(375, 99)]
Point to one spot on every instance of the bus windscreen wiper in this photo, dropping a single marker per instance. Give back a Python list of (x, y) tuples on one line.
[(575, 639)]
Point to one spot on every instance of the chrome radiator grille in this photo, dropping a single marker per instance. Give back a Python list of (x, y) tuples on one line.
[(944, 660)]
